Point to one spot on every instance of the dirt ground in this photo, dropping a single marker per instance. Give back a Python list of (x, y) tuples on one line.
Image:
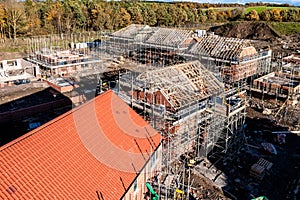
[(283, 178), (245, 30), (261, 35), (284, 113), (11, 55), (279, 182)]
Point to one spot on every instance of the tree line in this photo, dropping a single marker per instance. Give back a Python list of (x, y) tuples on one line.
[(31, 17)]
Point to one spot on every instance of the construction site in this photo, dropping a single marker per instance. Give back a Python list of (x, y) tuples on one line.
[(17, 71), (197, 119), (235, 59), (195, 89), (208, 96)]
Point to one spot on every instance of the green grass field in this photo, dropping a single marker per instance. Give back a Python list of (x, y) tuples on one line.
[(259, 9), (220, 8), (286, 28)]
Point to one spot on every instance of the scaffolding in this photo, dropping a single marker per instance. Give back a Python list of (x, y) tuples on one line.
[(154, 46), (198, 116), (188, 105), (169, 81), (232, 59), (66, 54), (280, 84)]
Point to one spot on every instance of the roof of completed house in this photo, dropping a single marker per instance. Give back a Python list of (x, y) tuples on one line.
[(97, 147)]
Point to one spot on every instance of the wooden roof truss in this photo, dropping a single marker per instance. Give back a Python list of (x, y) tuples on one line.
[(219, 47), (183, 83), (169, 37), (163, 37)]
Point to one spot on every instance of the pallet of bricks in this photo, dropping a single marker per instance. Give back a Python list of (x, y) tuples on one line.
[(259, 168)]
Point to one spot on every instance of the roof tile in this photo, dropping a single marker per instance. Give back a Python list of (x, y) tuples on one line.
[(86, 150)]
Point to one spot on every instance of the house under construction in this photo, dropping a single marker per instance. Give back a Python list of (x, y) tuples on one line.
[(154, 46), (282, 83), (174, 87), (180, 94), (63, 62), (189, 106), (65, 54), (175, 49), (233, 59), (17, 71)]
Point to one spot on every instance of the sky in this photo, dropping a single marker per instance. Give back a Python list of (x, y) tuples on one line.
[(292, 2)]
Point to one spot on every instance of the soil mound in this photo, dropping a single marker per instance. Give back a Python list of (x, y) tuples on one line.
[(246, 30)]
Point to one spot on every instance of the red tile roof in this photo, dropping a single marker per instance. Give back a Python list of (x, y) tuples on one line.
[(95, 147)]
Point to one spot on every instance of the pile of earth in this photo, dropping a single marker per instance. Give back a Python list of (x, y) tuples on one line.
[(246, 30)]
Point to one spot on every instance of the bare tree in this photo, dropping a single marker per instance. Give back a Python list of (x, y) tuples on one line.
[(15, 16)]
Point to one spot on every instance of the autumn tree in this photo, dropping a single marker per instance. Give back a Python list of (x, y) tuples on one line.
[(265, 15), (293, 15), (59, 16), (149, 15), (80, 19), (136, 14), (54, 17), (15, 16), (211, 14), (32, 17), (202, 16), (72, 15), (181, 17), (102, 17), (88, 8), (221, 16), (229, 14), (276, 15), (163, 16), (196, 18), (190, 16), (3, 24), (177, 16), (122, 18), (252, 15)]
